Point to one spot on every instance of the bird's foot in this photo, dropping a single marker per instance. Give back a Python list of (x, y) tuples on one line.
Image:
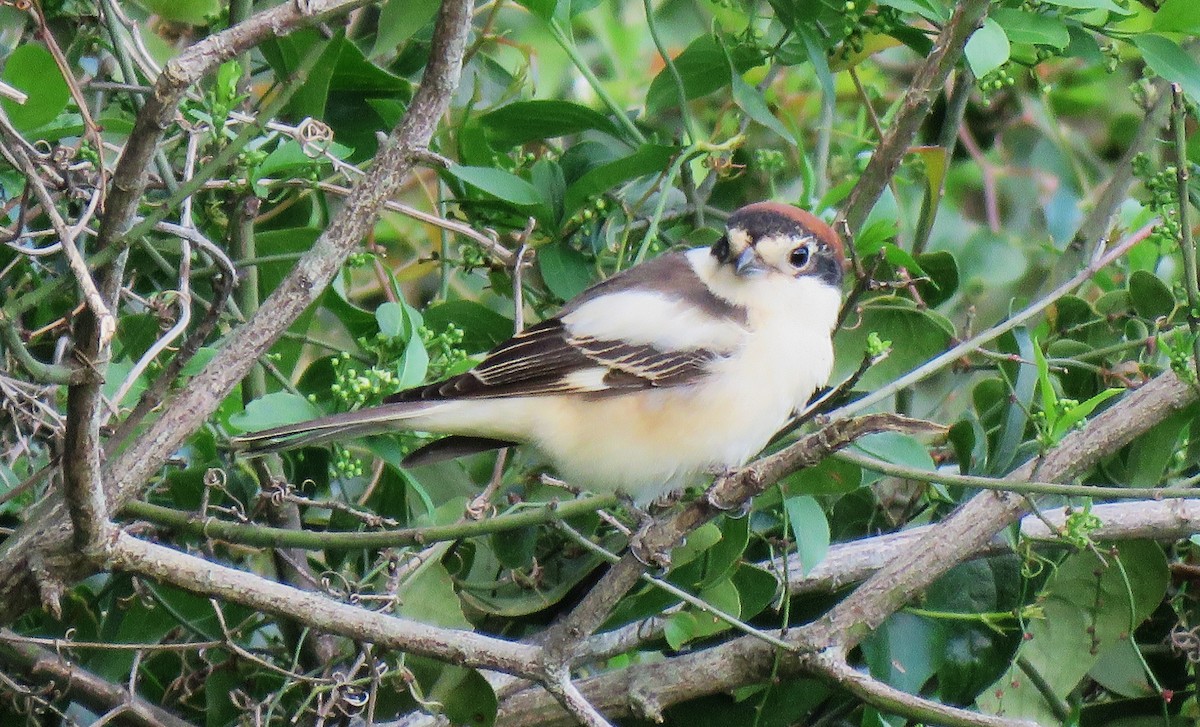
[(712, 497), (654, 557), (643, 517)]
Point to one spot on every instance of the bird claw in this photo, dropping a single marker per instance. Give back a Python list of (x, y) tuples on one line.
[(655, 558), (735, 510)]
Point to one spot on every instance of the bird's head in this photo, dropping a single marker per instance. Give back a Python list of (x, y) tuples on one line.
[(771, 238)]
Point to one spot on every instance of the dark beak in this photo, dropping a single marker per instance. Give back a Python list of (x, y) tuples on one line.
[(748, 262)]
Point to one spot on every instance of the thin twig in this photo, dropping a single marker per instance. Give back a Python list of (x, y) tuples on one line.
[(929, 81), (1187, 243), (568, 695), (83, 276)]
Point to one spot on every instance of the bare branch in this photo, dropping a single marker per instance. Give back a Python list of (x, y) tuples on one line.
[(211, 579), (849, 563), (42, 665), (974, 524)]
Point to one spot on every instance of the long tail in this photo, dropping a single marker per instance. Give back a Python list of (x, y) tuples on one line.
[(401, 416)]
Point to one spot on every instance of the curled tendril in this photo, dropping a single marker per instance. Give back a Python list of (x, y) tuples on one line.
[(1186, 642), (314, 137)]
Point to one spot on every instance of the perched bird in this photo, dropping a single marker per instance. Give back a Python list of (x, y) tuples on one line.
[(685, 364)]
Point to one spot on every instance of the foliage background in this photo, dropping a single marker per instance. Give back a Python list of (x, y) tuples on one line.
[(572, 145)]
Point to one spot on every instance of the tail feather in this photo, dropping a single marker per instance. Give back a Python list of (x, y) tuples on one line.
[(401, 416)]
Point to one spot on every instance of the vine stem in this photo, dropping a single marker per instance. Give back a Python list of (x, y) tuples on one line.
[(568, 46), (1187, 243), (1026, 488)]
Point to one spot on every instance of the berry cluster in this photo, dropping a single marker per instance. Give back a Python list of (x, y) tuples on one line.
[(356, 385), (859, 24), (1162, 194)]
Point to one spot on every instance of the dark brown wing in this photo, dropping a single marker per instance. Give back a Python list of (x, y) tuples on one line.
[(547, 359)]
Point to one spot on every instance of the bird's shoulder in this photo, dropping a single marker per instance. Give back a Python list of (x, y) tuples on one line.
[(655, 325)]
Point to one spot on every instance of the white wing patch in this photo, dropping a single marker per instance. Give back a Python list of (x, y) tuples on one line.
[(651, 318)]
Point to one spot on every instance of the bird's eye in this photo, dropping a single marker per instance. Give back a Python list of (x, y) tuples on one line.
[(799, 257), (720, 249)]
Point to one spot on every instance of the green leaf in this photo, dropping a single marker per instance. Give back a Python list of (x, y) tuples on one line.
[(1016, 418), (219, 709), (482, 327), (928, 9), (724, 555), (274, 410), (31, 69), (1049, 398), (412, 368), (905, 651), (543, 9), (941, 269), (924, 334), (285, 55), (565, 270), (703, 67), (756, 588), (679, 629), (525, 121), (1087, 610), (1178, 16), (390, 317), (353, 73), (810, 528), (430, 598), (987, 49), (897, 448), (934, 158), (698, 541), (467, 698), (499, 183), (723, 595), (190, 12), (547, 176), (1150, 295), (831, 476), (398, 20), (1167, 59), (648, 159), (289, 158), (820, 61), (1033, 28), (1120, 670), (285, 242), (1080, 411), (1108, 5), (751, 101), (1150, 454), (515, 548)]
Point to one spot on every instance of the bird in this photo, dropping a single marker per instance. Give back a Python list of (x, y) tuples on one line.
[(676, 367)]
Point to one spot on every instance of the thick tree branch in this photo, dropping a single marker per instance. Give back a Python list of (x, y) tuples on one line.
[(40, 665), (562, 640), (970, 528), (849, 563), (211, 579)]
